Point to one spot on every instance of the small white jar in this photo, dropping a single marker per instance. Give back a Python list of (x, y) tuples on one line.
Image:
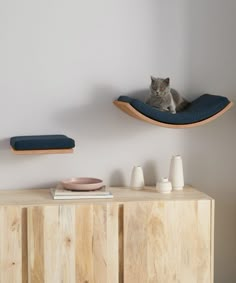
[(164, 186)]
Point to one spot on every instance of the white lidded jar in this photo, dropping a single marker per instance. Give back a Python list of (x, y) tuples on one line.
[(164, 186), (137, 178), (176, 174)]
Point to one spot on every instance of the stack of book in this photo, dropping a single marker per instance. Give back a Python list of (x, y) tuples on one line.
[(60, 193)]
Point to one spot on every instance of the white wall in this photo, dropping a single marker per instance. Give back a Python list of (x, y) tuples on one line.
[(63, 62)]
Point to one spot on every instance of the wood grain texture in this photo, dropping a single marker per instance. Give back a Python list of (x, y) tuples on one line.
[(84, 242), (168, 242), (35, 224), (112, 243), (36, 197), (80, 243), (135, 243), (42, 151), (121, 243), (139, 236), (212, 238), (130, 110), (10, 245), (24, 245)]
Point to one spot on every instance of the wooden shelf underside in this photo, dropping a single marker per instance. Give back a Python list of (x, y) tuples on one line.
[(130, 110), (42, 151)]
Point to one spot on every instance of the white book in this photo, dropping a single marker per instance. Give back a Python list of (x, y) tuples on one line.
[(59, 194)]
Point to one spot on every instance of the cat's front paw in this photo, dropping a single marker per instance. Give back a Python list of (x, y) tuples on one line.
[(173, 112)]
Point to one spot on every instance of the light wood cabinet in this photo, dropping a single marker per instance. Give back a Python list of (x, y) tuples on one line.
[(137, 237)]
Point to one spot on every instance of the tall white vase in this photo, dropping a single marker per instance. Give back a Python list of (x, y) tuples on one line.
[(137, 178), (176, 174)]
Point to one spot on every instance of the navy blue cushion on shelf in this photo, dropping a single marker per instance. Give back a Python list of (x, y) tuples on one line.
[(203, 107), (41, 142)]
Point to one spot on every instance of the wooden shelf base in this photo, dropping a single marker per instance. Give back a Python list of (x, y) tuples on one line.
[(42, 151), (130, 110)]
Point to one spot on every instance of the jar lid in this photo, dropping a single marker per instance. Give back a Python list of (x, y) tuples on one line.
[(164, 180)]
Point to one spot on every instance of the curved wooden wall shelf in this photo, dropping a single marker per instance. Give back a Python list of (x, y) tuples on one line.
[(42, 151), (127, 108)]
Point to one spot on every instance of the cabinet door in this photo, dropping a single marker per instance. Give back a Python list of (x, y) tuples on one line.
[(168, 241), (73, 243), (11, 244)]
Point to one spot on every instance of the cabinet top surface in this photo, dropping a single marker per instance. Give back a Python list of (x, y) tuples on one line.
[(31, 197)]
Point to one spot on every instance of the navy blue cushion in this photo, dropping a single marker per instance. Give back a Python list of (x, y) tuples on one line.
[(41, 142), (200, 109)]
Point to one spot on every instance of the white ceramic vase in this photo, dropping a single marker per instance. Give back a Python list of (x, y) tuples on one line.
[(176, 174), (164, 186), (137, 178)]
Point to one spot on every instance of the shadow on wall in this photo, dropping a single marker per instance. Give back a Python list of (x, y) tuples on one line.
[(210, 167), (10, 162), (211, 148), (5, 144), (210, 160), (117, 178), (100, 119), (6, 155), (150, 171)]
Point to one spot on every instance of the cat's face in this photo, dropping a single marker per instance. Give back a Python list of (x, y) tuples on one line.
[(160, 87)]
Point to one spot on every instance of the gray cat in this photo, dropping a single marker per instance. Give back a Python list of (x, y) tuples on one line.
[(165, 98)]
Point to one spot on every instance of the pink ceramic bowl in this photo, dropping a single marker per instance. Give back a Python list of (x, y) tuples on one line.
[(82, 184)]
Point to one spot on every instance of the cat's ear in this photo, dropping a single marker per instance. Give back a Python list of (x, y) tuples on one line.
[(167, 81), (153, 79)]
